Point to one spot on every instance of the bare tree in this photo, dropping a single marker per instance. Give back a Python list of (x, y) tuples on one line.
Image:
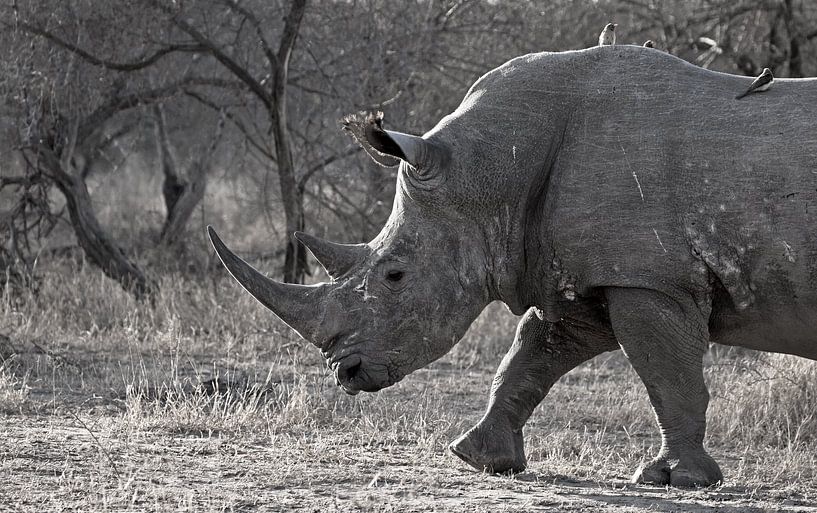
[(270, 90), (181, 193), (59, 150), (66, 114)]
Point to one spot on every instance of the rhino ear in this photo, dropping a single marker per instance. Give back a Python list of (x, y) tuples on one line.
[(385, 147)]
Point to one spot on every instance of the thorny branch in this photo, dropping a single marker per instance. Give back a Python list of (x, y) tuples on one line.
[(232, 118), (325, 162), (28, 219), (108, 64), (215, 50)]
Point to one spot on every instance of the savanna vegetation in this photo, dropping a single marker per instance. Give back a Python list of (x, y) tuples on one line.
[(136, 375)]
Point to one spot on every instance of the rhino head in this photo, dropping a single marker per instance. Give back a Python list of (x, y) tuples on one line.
[(405, 298)]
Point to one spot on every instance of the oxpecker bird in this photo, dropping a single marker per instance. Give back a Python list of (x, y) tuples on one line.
[(649, 44), (761, 83), (608, 35)]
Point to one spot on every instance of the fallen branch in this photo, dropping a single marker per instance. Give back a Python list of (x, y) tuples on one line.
[(101, 447)]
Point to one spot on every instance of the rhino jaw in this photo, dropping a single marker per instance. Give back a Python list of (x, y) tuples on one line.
[(299, 306)]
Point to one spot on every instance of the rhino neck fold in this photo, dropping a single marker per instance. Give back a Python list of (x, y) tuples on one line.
[(533, 272)]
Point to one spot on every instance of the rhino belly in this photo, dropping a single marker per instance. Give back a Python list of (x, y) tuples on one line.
[(790, 329)]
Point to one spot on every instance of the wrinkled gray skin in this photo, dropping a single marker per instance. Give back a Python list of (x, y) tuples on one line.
[(617, 196)]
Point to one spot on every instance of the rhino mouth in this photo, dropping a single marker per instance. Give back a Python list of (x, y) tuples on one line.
[(346, 371), (356, 373)]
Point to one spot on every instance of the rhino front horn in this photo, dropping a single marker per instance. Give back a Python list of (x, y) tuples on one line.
[(296, 305), (335, 258)]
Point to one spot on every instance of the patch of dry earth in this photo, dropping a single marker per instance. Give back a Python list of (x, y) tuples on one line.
[(51, 463)]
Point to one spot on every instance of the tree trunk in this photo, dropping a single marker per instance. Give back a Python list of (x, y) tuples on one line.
[(795, 58), (181, 196), (182, 209), (380, 188), (99, 248), (295, 264), (295, 259)]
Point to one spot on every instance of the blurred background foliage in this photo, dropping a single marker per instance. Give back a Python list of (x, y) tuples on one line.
[(127, 126)]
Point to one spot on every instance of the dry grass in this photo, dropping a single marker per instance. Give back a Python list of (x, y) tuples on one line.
[(205, 402)]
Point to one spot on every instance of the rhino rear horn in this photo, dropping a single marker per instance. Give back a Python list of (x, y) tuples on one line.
[(294, 304), (335, 258)]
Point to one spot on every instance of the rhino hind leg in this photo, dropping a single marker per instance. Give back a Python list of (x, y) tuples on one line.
[(665, 341), (541, 353)]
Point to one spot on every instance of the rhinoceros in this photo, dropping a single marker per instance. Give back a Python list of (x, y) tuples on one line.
[(618, 197)]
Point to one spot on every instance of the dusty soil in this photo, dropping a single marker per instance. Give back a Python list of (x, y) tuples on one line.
[(380, 452), (52, 463)]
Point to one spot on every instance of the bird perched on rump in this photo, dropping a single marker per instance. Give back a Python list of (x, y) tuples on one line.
[(608, 35), (760, 84), (649, 44)]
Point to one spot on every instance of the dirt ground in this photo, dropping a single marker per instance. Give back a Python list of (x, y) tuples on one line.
[(323, 451), (55, 464)]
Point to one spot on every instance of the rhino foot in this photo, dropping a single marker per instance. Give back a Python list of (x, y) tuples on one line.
[(491, 449), (687, 471)]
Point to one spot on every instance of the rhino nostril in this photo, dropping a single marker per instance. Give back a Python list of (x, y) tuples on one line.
[(348, 369)]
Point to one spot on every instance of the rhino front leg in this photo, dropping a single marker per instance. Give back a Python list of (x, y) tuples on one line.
[(541, 353), (665, 340)]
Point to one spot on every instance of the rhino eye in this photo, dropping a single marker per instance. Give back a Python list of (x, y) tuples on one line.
[(394, 276)]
